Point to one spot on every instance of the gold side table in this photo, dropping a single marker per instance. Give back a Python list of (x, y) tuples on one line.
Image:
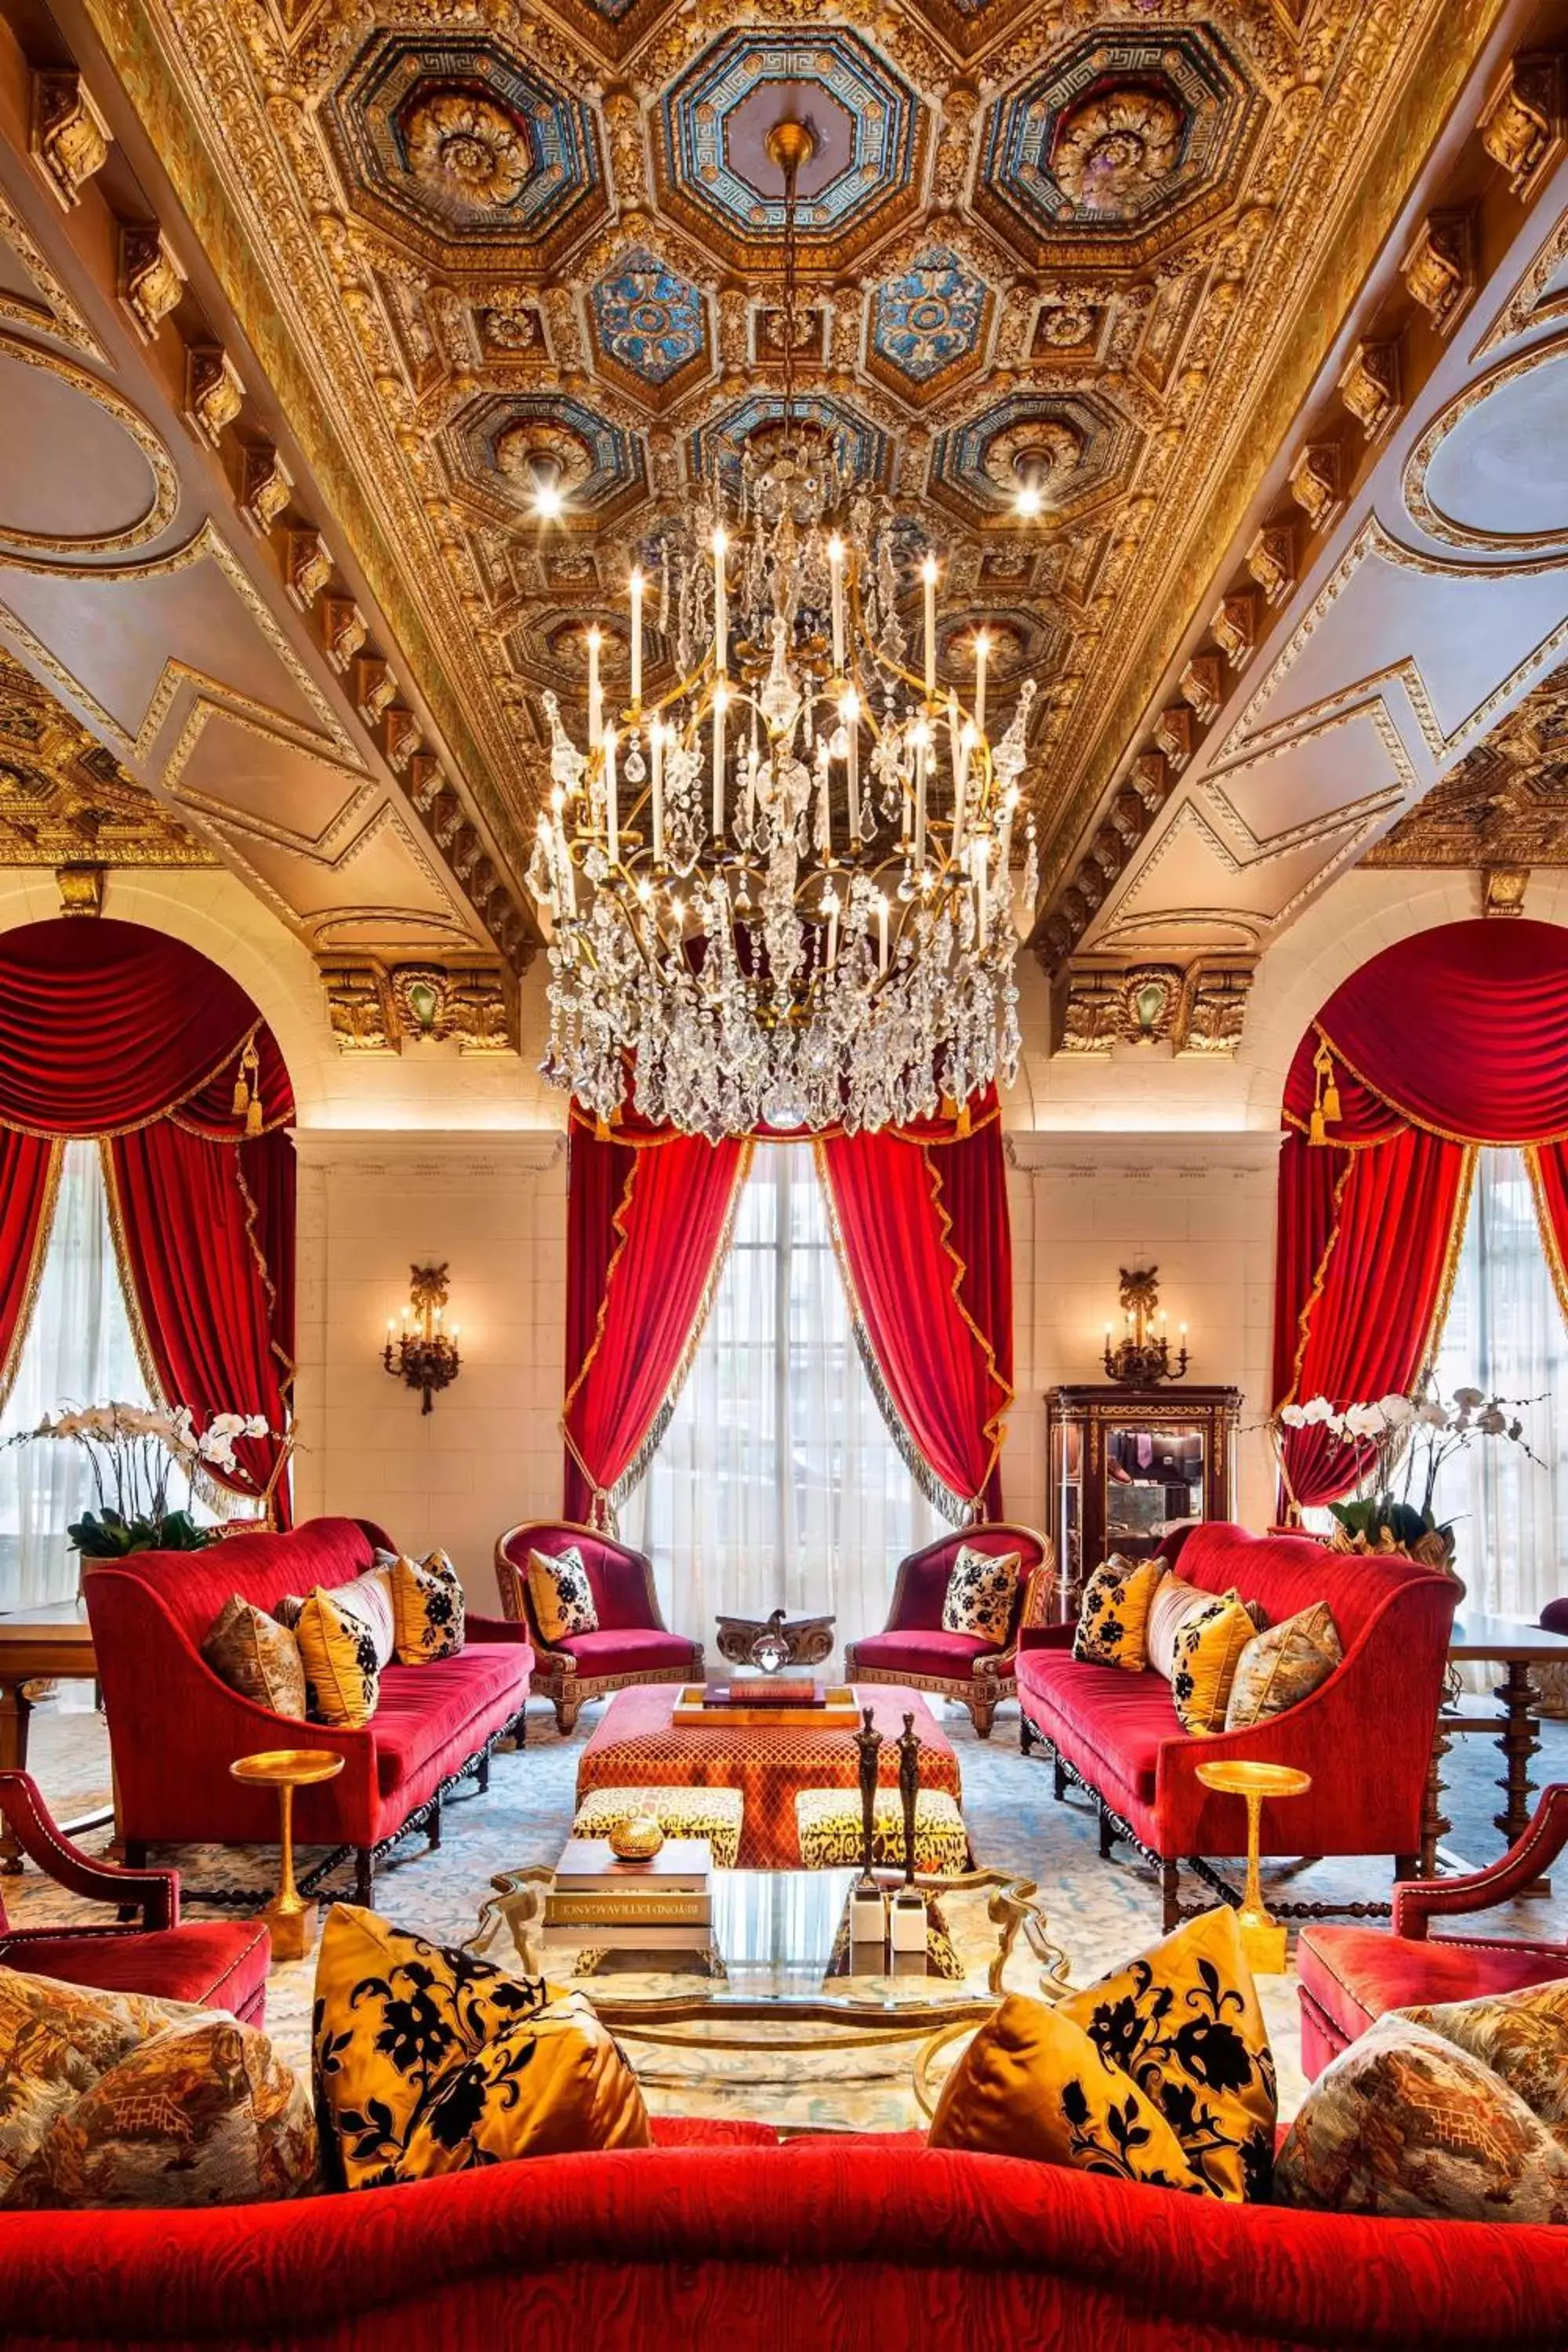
[(1263, 1938), (288, 1915)]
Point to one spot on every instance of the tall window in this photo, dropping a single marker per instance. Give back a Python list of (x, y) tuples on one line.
[(1506, 1335), (776, 1483), (79, 1349)]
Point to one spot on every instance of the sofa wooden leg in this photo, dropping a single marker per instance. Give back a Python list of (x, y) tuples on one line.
[(135, 1854), (566, 1715), (982, 1712), (364, 1876), (1026, 1733), (483, 1775), (1107, 1834), (433, 1827), (1407, 1865), (1170, 1893), (1058, 1779)]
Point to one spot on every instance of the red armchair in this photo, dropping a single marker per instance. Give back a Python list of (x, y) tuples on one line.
[(1350, 1976), (175, 1728), (633, 1644), (1364, 1735), (912, 1648), (220, 1966)]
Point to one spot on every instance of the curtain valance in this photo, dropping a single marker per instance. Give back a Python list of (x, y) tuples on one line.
[(1453, 1039), (921, 1222), (111, 1030)]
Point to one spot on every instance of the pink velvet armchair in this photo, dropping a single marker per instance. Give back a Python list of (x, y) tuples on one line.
[(632, 1644), (913, 1650)]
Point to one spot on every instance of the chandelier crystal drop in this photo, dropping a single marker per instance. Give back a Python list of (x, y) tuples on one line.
[(781, 892)]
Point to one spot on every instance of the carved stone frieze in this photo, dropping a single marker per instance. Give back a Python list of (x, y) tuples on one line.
[(1198, 1011), (379, 1009), (70, 138), (1521, 123)]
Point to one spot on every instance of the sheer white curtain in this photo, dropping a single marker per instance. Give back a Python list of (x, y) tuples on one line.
[(776, 1484), (1506, 1335), (79, 1350)]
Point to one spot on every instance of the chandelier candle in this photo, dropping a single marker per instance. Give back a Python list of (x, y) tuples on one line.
[(827, 936), (596, 697)]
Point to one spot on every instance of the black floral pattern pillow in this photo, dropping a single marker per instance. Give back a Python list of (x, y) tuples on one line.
[(981, 1591), (562, 1595), (1113, 1615), (428, 1599)]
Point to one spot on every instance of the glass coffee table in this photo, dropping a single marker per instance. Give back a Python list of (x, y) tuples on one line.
[(781, 1957)]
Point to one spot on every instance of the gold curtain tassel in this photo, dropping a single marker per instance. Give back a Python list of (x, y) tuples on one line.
[(1315, 1132), (241, 1096), (253, 1115), (601, 1132), (1331, 1111), (962, 1128)]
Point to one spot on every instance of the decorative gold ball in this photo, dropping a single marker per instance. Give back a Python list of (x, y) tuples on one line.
[(637, 1838)]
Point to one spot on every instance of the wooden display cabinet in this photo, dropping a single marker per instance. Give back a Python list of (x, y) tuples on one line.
[(1127, 1465)]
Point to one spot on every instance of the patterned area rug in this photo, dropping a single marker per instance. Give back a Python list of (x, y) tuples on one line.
[(1100, 1912)]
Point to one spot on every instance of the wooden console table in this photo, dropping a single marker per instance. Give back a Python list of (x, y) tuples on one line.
[(1478, 1638), (38, 1646)]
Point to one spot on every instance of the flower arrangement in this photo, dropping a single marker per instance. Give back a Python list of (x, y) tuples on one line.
[(134, 1450), (1401, 1443)]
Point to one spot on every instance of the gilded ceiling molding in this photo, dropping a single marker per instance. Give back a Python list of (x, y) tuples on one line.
[(54, 313), (382, 1008), (1520, 125), (65, 801), (1530, 305), (1505, 805), (155, 518), (1440, 267), (1198, 1011), (70, 138), (1551, 350)]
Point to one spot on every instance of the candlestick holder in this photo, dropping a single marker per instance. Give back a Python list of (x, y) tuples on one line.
[(423, 1354), (1142, 1358)]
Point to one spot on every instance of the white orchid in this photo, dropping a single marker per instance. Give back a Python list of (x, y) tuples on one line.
[(1294, 1416), (1364, 1421), (1316, 1410), (1399, 1411), (131, 1449)]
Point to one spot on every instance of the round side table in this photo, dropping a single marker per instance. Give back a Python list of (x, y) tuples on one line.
[(288, 1915), (1263, 1938)]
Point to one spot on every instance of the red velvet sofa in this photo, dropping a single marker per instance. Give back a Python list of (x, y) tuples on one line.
[(633, 1644), (1364, 1735), (1349, 1976), (841, 2245), (174, 1729), (913, 1651)]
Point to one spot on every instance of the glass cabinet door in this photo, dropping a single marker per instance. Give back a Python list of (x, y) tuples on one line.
[(1066, 1480), (1153, 1478)]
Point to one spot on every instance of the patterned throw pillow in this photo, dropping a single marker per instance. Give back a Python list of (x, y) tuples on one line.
[(1162, 2072), (981, 1591), (1409, 2121), (562, 1595), (56, 2040), (1208, 1651), (1279, 1668), (1113, 1616), (428, 2061), (1185, 2022), (1521, 2036), (1173, 1604), (343, 1679), (257, 1656), (367, 1598), (203, 2113), (429, 1608)]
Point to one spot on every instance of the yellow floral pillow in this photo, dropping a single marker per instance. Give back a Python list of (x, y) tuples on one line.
[(562, 1595), (427, 2060), (1207, 1652), (1184, 2023), (1113, 1616), (1033, 2083), (337, 1649), (429, 1608)]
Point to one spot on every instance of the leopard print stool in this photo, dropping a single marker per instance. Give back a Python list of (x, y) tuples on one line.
[(710, 1813), (827, 1821)]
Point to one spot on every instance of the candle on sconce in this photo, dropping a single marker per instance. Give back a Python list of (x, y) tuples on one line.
[(881, 932), (720, 704), (927, 581), (849, 712), (836, 575), (830, 909), (982, 653), (655, 747), (637, 639), (721, 603), (612, 811), (595, 698), (922, 762)]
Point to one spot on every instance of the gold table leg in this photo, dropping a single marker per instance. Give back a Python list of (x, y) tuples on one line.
[(286, 1916), (1263, 1938)]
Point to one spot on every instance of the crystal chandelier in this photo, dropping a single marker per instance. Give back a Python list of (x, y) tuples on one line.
[(781, 892)]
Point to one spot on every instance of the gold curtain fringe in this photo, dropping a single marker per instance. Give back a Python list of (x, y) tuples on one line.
[(1460, 1219), (1549, 1241), (578, 1116), (41, 1239), (1412, 1119), (136, 1126)]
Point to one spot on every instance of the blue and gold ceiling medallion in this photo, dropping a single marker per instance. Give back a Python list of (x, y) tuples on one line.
[(648, 317), (861, 448), (929, 316)]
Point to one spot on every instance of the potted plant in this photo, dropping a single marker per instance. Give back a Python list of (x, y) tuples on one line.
[(133, 1451)]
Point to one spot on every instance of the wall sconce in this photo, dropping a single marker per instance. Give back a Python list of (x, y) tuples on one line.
[(1142, 1357), (424, 1353)]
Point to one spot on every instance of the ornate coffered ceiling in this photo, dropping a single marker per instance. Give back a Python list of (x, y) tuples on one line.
[(65, 800), (1114, 245), (1506, 803)]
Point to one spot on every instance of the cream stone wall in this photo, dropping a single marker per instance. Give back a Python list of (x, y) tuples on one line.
[(1137, 1158)]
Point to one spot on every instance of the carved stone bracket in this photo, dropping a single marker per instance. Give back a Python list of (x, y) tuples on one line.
[(214, 392), (1315, 483), (309, 567), (1369, 386), (1440, 267), (1195, 1012), (70, 138), (1271, 559), (268, 487), (1503, 889), (1521, 123), (151, 277), (377, 1009)]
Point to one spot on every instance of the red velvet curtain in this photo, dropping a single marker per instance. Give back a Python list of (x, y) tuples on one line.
[(29, 1165), (645, 1225), (927, 1246), (921, 1220), (113, 1031), (1454, 1038)]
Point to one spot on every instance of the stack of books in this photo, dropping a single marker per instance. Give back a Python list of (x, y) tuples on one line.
[(664, 1904)]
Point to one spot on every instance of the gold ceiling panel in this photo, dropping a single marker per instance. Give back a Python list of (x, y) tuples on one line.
[(1506, 803), (65, 800), (1119, 241)]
